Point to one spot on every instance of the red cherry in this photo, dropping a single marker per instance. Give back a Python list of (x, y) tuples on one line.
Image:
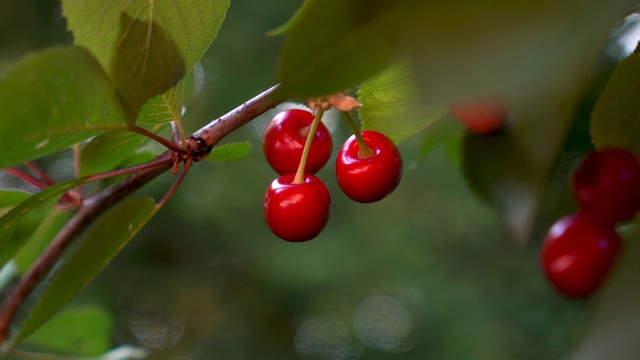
[(481, 117), (284, 139), (577, 254), (370, 179), (296, 212), (607, 186)]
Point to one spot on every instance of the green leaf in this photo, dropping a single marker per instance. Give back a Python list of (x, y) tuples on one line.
[(515, 48), (333, 45), (615, 118), (13, 220), (501, 170), (391, 105), (81, 331), (96, 247), (445, 132), (163, 108), (458, 50), (10, 198), (52, 99), (145, 46), (615, 319), (230, 152), (107, 151), (53, 220)]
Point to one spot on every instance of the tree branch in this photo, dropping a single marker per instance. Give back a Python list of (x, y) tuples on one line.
[(202, 141)]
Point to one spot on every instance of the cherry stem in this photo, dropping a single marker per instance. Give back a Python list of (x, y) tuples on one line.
[(40, 173), (365, 151), (26, 177), (176, 184), (178, 134), (153, 136), (299, 178)]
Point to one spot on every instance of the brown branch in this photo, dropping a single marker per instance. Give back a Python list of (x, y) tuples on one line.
[(219, 128), (93, 207)]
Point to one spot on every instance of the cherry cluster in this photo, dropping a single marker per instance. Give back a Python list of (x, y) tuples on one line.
[(297, 204), (580, 248)]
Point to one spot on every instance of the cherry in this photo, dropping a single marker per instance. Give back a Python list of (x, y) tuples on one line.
[(369, 178), (296, 212), (607, 186), (577, 254), (480, 117), (284, 138)]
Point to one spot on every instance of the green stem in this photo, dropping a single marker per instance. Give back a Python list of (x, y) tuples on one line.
[(365, 151), (299, 178)]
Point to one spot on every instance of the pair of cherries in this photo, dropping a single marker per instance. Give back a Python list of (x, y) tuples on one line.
[(299, 210), (580, 248)]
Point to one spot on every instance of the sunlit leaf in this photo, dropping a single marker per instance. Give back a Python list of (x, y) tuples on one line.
[(230, 151), (97, 246), (616, 117), (145, 46), (82, 331), (12, 220), (391, 105), (163, 108), (52, 99)]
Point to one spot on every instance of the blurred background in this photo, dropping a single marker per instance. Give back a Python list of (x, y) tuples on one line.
[(427, 273)]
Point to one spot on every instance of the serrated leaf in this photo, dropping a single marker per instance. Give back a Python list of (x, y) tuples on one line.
[(97, 246), (391, 105), (230, 151), (163, 108), (616, 117), (52, 99), (81, 331), (333, 45), (145, 46), (9, 222), (615, 320)]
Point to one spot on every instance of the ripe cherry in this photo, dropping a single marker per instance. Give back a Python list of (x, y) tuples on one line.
[(369, 178), (607, 186), (284, 138), (480, 117), (296, 212), (577, 254)]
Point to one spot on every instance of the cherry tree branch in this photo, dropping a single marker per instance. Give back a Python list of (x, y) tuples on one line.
[(200, 142)]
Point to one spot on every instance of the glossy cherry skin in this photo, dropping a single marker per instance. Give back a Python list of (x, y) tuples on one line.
[(480, 117), (577, 255), (370, 179), (607, 186), (297, 212), (284, 138)]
